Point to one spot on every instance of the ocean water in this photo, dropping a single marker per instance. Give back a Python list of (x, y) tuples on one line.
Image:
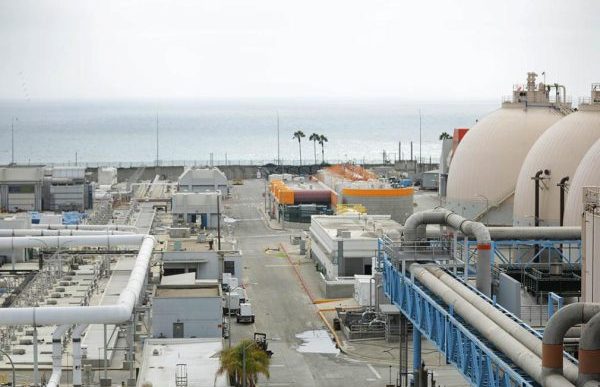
[(239, 131)]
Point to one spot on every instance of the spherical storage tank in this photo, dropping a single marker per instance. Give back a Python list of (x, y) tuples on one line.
[(559, 151), (485, 166), (587, 175)]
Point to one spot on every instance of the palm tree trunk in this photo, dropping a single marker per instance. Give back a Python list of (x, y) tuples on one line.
[(323, 154), (315, 149), (300, 149)]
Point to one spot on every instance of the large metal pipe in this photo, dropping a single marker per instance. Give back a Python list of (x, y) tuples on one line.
[(77, 355), (558, 325), (44, 232), (550, 233), (99, 227), (589, 352), (535, 233), (102, 240), (512, 348), (99, 314), (533, 343), (57, 355), (473, 229)]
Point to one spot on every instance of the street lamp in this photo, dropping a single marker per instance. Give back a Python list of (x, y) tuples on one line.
[(14, 378)]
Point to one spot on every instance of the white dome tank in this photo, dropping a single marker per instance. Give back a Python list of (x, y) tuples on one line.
[(559, 150), (485, 167), (587, 175)]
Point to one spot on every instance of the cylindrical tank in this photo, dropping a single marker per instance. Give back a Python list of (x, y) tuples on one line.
[(559, 150), (486, 164), (586, 175)]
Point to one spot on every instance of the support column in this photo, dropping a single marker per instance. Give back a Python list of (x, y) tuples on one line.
[(416, 357)]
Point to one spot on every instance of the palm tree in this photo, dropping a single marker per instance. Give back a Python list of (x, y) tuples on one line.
[(445, 136), (232, 363), (314, 138), (322, 141), (299, 134)]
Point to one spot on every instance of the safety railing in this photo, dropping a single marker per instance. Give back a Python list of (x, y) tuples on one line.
[(473, 358)]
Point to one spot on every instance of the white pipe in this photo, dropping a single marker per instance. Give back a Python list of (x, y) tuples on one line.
[(517, 352), (116, 227), (556, 328), (99, 314), (77, 377), (57, 355), (103, 240), (42, 232), (476, 230), (589, 353), (533, 343), (535, 233)]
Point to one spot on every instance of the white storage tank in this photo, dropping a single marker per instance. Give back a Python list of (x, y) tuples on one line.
[(587, 175), (486, 164), (559, 150), (590, 256)]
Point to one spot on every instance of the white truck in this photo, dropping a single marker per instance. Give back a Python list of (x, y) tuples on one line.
[(245, 314)]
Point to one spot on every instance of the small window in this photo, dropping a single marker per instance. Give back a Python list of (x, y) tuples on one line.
[(229, 267), (25, 188)]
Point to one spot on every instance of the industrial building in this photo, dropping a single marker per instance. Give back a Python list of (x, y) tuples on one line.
[(66, 189), (354, 185), (187, 310), (200, 208), (21, 188), (296, 199), (205, 264), (203, 179), (344, 245)]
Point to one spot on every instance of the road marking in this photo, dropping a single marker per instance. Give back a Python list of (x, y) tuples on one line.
[(277, 365), (288, 265), (374, 371)]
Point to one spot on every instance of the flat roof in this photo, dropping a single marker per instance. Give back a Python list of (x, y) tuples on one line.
[(359, 226), (187, 291), (200, 356)]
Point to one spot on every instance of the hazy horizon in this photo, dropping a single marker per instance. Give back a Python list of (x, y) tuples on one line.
[(432, 50)]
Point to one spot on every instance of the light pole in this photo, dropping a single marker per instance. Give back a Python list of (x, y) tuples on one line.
[(14, 378)]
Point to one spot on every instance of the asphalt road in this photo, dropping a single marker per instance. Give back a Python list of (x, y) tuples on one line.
[(281, 306)]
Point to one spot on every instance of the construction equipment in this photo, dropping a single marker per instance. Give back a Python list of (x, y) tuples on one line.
[(261, 342)]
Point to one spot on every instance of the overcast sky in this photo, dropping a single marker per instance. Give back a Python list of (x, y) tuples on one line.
[(270, 48)]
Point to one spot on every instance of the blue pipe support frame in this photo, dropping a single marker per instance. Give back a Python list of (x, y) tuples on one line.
[(474, 359), (416, 349), (554, 298)]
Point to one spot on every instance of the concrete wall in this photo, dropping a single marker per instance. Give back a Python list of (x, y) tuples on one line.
[(205, 263), (201, 317)]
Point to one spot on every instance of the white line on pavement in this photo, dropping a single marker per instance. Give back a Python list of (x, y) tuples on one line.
[(374, 371)]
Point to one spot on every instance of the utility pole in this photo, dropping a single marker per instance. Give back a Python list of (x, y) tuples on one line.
[(278, 155), (420, 141), (12, 140), (156, 140), (219, 222)]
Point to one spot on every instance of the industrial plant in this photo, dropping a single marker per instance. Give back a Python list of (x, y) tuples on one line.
[(480, 270)]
